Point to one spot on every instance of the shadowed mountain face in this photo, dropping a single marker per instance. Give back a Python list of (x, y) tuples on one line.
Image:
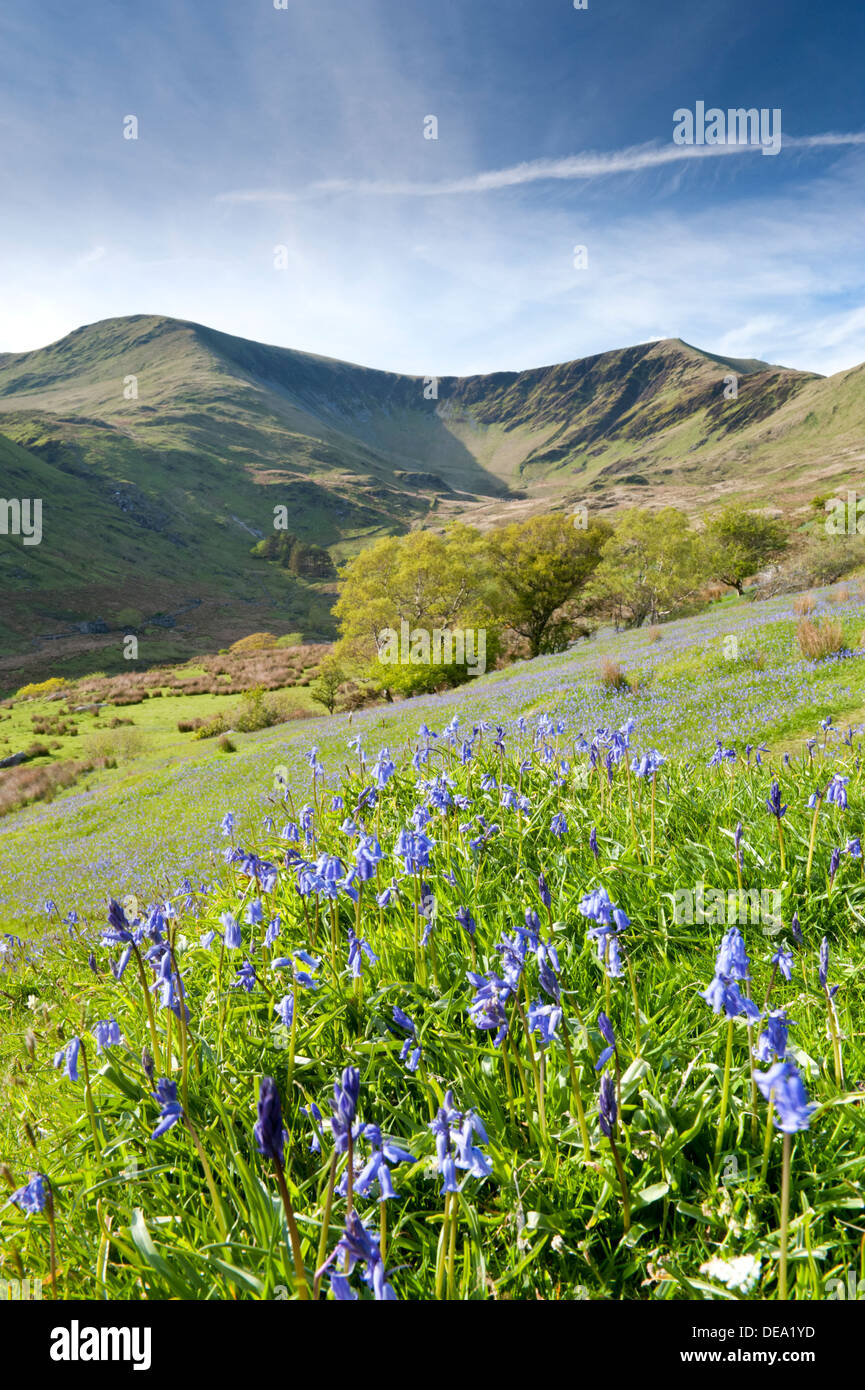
[(160, 449)]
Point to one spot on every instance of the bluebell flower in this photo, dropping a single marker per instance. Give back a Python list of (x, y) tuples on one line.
[(226, 825), (357, 949), (558, 826), (593, 842), (346, 1092), (231, 931), (607, 1109), (832, 990), (454, 1134), (67, 1057), (359, 1247), (834, 861), (854, 848), (466, 920), (649, 764), (273, 930), (413, 847), (544, 892), (732, 958), (387, 895), (772, 1041), (836, 792), (383, 768), (120, 926), (724, 993), (32, 1198), (385, 1153), (284, 1010), (410, 1054), (608, 1034), (544, 1020), (106, 1033), (245, 977), (783, 959), (254, 912), (783, 1085), (268, 1131), (170, 1109), (722, 754), (487, 1009), (796, 931), (773, 802)]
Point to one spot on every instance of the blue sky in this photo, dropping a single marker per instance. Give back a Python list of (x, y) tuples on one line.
[(303, 128)]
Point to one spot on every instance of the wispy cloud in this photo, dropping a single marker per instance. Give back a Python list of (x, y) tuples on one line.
[(589, 165)]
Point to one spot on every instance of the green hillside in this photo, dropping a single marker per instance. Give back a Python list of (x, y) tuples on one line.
[(161, 448)]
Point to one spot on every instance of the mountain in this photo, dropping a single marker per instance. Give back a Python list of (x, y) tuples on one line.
[(160, 449)]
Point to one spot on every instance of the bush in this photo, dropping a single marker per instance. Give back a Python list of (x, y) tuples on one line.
[(612, 676), (819, 640), (655, 634), (803, 605), (115, 746), (39, 688), (225, 745), (255, 642)]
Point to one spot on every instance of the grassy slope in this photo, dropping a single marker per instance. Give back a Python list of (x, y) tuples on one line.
[(153, 820)]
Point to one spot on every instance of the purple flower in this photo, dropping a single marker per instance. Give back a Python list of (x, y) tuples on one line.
[(831, 990), (609, 1036), (773, 803), (772, 1042), (410, 1055), (836, 792), (33, 1198), (544, 1019), (544, 892), (465, 919), (170, 1109), (232, 931), (344, 1106), (732, 957), (106, 1033), (69, 1056), (783, 1085), (268, 1130), (558, 826), (783, 959), (607, 1110), (723, 993)]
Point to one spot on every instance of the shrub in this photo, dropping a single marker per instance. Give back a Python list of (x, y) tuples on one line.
[(225, 745), (612, 676), (655, 634), (804, 604), (819, 640), (39, 688), (841, 595), (255, 642)]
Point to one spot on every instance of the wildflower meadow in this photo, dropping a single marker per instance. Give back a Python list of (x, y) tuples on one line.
[(439, 1029)]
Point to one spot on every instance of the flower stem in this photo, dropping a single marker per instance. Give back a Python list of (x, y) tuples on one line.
[(300, 1272), (626, 1200), (725, 1093), (785, 1216)]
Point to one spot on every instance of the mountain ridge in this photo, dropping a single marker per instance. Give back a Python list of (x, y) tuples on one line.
[(168, 444)]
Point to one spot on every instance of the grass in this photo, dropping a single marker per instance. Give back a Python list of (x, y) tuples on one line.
[(548, 1207)]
